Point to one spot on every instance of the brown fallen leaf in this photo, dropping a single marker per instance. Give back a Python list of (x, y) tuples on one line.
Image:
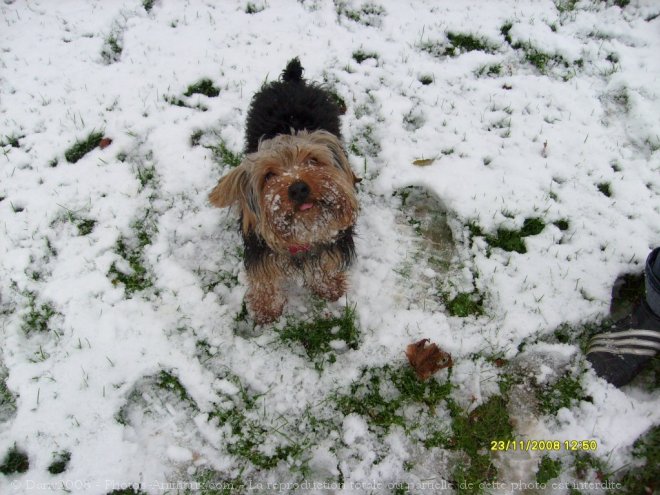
[(423, 162), (426, 358), (105, 142)]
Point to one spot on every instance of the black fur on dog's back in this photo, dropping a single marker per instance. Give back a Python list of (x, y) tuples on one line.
[(290, 103)]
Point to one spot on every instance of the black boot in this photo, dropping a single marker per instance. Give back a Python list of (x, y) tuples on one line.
[(620, 354)]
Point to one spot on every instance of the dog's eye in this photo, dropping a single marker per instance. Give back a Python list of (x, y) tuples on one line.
[(313, 161), (268, 176)]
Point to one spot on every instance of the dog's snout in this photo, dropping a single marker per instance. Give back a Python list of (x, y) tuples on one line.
[(299, 191)]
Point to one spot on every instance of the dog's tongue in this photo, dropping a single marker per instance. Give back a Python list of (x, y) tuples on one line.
[(305, 206)]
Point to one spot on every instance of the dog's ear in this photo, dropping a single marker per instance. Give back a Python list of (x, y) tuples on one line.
[(233, 188), (339, 158), (230, 189)]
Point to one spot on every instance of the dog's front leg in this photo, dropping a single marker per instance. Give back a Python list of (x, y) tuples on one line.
[(326, 278), (265, 298)]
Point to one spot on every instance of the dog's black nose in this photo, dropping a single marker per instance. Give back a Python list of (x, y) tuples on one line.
[(299, 191)]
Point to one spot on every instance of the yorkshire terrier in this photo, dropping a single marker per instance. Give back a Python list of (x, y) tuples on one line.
[(295, 193)]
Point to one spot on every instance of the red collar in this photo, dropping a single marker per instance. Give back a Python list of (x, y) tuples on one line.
[(298, 248)]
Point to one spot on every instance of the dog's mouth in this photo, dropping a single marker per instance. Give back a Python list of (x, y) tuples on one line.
[(305, 206)]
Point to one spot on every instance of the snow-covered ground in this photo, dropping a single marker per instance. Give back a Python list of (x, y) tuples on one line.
[(555, 117)]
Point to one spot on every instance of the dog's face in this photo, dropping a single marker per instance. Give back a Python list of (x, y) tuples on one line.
[(295, 191)]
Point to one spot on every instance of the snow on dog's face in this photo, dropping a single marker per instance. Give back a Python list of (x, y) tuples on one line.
[(295, 191)]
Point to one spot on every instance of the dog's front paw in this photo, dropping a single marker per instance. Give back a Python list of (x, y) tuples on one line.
[(329, 287), (265, 306)]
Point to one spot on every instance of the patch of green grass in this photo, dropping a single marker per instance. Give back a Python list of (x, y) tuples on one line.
[(562, 393), (38, 316), (644, 478), (203, 87), (127, 491), (317, 334), (138, 278), (605, 189), (512, 240), (425, 79), (365, 144), (380, 394), (148, 4), (224, 156), (465, 304), (59, 465), (532, 226), (619, 3), (168, 381), (472, 434), (11, 140), (561, 224), (147, 176), (248, 435), (456, 44), (86, 226), (112, 49), (251, 8), (339, 101), (505, 30), (196, 137), (492, 70), (81, 148), (7, 399), (543, 61), (564, 6), (213, 483), (462, 43), (509, 240), (360, 56), (584, 463), (548, 469), (369, 14), (15, 461)]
